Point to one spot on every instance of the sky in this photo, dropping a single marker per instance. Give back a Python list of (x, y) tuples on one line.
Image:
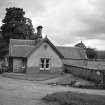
[(65, 22)]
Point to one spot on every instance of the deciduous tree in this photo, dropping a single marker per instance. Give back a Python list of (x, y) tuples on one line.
[(16, 25), (91, 53)]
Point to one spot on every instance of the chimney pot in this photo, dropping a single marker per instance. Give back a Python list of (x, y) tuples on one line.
[(39, 27), (39, 31)]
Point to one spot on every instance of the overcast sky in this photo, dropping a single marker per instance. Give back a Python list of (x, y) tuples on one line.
[(65, 22)]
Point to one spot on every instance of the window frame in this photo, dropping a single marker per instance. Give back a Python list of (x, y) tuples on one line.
[(45, 63)]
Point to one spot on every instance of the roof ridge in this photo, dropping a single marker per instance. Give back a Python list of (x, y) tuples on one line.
[(21, 40), (69, 47), (24, 45), (63, 46)]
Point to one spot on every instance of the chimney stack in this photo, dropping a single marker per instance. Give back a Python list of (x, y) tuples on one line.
[(39, 32)]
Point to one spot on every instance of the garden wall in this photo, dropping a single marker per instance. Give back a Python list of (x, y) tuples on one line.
[(99, 64), (89, 74)]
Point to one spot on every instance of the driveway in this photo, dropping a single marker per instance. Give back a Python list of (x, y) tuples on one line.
[(23, 92)]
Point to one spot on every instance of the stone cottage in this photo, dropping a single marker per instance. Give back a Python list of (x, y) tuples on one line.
[(41, 55)]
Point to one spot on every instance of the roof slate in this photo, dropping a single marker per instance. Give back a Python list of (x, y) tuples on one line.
[(22, 42), (21, 48), (72, 52)]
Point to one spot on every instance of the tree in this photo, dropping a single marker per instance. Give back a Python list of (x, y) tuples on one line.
[(101, 55), (16, 25), (3, 48), (91, 53)]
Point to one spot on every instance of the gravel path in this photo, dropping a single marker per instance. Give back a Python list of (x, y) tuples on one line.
[(22, 92)]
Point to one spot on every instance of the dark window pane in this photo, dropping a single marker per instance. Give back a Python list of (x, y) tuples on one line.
[(47, 65), (42, 60), (42, 65), (47, 60)]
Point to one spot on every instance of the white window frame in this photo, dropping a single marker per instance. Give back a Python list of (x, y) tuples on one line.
[(44, 64)]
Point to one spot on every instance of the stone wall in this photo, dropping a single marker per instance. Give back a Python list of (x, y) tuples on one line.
[(99, 64), (89, 74), (95, 63)]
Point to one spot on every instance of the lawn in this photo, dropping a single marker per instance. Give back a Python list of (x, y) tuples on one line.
[(36, 77), (71, 98)]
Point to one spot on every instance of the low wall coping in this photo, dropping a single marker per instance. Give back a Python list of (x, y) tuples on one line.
[(84, 67)]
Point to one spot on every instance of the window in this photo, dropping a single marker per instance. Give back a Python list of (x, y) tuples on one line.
[(45, 64)]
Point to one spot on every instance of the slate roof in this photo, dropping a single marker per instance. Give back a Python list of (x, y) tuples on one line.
[(21, 48), (22, 42), (72, 52)]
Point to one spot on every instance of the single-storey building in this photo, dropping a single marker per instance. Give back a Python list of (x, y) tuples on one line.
[(41, 55)]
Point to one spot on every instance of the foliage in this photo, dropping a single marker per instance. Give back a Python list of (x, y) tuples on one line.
[(3, 48), (101, 55), (91, 53), (15, 25)]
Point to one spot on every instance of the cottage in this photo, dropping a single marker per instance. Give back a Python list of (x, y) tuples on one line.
[(40, 55)]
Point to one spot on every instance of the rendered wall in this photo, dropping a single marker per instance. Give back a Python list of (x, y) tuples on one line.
[(33, 60)]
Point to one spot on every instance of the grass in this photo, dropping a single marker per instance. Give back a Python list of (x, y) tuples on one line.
[(35, 77), (71, 98), (70, 80)]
